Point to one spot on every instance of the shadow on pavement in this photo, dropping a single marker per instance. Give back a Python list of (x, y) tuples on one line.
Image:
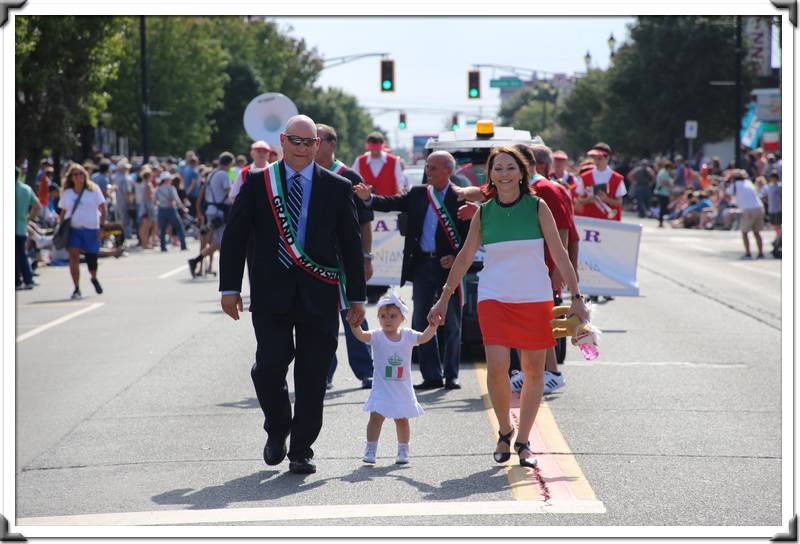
[(260, 486), (245, 404)]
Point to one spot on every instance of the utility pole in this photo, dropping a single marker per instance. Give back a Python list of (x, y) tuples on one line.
[(145, 97), (737, 152)]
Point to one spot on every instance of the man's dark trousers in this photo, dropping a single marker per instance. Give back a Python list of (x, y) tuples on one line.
[(23, 266), (429, 277), (316, 336), (359, 354)]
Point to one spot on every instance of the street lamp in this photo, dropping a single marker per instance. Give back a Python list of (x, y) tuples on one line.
[(588, 60), (611, 43)]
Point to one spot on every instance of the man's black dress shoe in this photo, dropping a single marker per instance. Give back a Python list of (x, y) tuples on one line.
[(429, 384), (274, 451), (302, 466), (366, 383), (452, 384)]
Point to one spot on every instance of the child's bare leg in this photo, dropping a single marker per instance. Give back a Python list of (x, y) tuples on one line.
[(403, 430), (374, 426)]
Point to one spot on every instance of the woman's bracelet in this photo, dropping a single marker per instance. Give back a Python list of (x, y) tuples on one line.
[(447, 289)]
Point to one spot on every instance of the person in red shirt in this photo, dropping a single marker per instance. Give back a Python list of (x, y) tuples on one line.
[(379, 168), (603, 188)]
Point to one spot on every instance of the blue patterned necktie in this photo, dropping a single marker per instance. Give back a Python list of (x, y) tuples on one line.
[(294, 204)]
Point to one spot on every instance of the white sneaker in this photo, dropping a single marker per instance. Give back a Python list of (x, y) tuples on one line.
[(517, 378), (402, 454), (552, 381), (371, 453)]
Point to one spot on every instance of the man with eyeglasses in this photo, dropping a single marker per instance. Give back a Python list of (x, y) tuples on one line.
[(602, 188), (359, 354), (305, 242), (380, 170)]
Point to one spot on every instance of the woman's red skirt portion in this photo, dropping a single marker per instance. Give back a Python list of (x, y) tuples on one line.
[(523, 325)]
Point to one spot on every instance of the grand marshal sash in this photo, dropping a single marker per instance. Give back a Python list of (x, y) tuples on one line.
[(449, 228), (287, 231)]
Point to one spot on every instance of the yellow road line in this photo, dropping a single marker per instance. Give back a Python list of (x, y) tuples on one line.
[(523, 487)]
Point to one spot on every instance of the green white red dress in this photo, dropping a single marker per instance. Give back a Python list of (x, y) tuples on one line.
[(515, 296)]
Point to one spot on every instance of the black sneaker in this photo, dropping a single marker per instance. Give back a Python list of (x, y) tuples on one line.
[(97, 288)]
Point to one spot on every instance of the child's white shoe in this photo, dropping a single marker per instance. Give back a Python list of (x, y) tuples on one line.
[(371, 453), (402, 454)]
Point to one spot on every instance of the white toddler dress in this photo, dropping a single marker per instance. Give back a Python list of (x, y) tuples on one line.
[(392, 394)]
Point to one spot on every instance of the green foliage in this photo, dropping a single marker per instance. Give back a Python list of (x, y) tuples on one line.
[(662, 80), (510, 107), (186, 64), (659, 80), (62, 67), (340, 110), (579, 111)]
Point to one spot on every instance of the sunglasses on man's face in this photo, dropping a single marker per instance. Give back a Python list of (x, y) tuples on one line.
[(297, 140)]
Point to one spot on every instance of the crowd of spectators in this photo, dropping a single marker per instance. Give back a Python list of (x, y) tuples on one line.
[(152, 204)]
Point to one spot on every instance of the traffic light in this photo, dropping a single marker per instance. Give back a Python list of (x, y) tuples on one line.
[(387, 76), (455, 121), (402, 120), (474, 81)]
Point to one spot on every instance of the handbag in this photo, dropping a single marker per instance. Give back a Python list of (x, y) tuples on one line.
[(61, 237)]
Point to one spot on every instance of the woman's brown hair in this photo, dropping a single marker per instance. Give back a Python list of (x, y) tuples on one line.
[(491, 191), (67, 183)]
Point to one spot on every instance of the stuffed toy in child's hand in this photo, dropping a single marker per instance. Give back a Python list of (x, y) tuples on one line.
[(584, 335)]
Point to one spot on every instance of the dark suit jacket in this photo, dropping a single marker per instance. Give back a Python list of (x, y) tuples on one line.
[(415, 203), (331, 230)]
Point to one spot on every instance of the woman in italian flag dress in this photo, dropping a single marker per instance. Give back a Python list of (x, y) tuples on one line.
[(515, 298)]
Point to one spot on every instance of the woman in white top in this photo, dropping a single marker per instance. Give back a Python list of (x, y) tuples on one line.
[(168, 205), (86, 226)]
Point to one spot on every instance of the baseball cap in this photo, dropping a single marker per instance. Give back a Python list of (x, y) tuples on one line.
[(164, 175), (261, 144), (600, 148), (123, 164), (560, 155)]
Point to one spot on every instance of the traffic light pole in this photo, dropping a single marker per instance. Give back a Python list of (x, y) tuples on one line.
[(338, 61)]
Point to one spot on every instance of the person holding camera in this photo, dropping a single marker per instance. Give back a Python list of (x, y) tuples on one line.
[(216, 195)]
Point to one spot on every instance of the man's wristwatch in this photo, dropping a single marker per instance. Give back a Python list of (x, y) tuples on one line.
[(578, 296)]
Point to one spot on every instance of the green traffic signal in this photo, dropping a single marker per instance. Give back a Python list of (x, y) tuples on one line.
[(402, 125), (473, 93), (387, 85)]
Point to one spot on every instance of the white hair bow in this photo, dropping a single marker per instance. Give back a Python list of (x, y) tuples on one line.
[(393, 298)]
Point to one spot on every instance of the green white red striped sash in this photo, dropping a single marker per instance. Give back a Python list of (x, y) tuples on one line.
[(338, 167), (449, 228), (288, 234), (447, 223)]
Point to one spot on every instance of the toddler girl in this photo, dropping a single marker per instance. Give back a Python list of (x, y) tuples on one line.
[(392, 394)]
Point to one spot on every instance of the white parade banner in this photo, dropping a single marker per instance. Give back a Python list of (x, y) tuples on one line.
[(608, 257), (607, 262), (387, 248)]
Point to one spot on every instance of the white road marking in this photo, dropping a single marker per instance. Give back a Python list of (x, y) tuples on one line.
[(655, 363), (749, 268), (58, 321), (698, 247), (172, 272), (336, 511)]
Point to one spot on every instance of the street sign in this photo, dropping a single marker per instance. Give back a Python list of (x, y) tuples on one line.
[(690, 130), (506, 83)]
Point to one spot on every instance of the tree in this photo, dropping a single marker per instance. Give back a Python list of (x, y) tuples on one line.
[(340, 110), (62, 67), (263, 60), (662, 79), (580, 113), (186, 64), (518, 100)]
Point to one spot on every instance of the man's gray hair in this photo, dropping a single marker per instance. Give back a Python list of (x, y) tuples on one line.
[(543, 155), (451, 161)]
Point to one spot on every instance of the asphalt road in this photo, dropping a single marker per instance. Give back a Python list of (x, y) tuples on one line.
[(140, 410)]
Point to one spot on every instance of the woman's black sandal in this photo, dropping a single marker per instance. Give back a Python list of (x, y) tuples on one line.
[(503, 456), (529, 462)]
